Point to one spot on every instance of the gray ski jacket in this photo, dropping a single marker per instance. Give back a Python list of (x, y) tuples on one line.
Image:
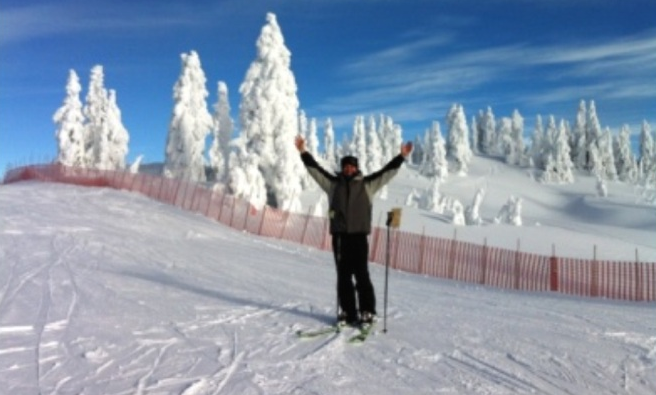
[(350, 198)]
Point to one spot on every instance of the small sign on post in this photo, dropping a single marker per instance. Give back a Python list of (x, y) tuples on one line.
[(394, 218)]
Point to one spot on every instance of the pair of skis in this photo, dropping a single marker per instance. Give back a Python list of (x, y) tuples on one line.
[(363, 331)]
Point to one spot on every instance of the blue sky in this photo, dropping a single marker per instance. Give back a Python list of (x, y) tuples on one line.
[(410, 59)]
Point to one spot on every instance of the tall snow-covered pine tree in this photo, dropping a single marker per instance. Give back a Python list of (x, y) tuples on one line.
[(190, 123), (70, 125), (269, 117)]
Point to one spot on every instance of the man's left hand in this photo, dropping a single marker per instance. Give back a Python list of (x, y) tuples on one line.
[(406, 149)]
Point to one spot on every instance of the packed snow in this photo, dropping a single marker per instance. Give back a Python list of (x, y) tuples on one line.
[(108, 292)]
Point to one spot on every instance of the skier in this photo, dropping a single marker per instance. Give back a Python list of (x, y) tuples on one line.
[(350, 196)]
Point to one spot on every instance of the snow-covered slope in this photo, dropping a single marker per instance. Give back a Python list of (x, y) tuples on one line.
[(105, 292)]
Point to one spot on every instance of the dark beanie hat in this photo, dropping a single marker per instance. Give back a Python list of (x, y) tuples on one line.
[(349, 160)]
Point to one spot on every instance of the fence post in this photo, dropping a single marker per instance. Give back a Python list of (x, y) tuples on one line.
[(484, 263), (638, 279), (554, 286), (284, 227), (452, 255), (594, 274), (517, 268), (422, 241)]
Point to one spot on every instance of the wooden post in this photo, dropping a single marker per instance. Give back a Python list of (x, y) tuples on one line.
[(638, 279), (517, 268), (594, 274), (554, 285), (484, 263), (422, 241), (452, 255)]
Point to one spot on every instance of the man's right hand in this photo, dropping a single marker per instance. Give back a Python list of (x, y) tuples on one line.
[(300, 144)]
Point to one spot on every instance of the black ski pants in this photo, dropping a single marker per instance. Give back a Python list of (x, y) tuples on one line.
[(351, 258)]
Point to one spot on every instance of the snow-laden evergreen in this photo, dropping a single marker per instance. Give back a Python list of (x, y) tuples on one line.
[(506, 144), (647, 152), (245, 178), (190, 123), (486, 131), (472, 212), (374, 157), (511, 212), (578, 141), (558, 165), (516, 154), (627, 168), (435, 163), (329, 145), (458, 148), (592, 134), (417, 155), (96, 129), (69, 120), (358, 146), (312, 138), (474, 136), (222, 129), (536, 154), (117, 137), (606, 156), (269, 117)]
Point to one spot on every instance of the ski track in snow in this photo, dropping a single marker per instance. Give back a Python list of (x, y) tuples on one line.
[(151, 300)]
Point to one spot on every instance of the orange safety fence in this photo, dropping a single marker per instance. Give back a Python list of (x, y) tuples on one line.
[(410, 252)]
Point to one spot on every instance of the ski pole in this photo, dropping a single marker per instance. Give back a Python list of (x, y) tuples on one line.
[(387, 259)]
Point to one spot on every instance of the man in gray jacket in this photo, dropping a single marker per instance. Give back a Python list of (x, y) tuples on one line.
[(350, 197)]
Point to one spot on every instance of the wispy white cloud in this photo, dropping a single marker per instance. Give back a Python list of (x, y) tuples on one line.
[(406, 75), (44, 20)]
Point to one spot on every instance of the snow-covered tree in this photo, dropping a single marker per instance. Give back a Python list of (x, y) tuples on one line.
[(117, 137), (505, 141), (413, 198), (559, 164), (606, 155), (358, 146), (245, 179), (592, 134), (96, 129), (458, 142), (269, 117), (602, 188), (536, 152), (417, 155), (312, 140), (431, 199), (511, 212), (374, 147), (487, 132), (458, 211), (474, 136), (222, 129), (69, 120), (190, 123), (435, 163), (329, 145), (472, 213), (387, 133), (627, 168), (646, 147), (517, 138), (578, 140)]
